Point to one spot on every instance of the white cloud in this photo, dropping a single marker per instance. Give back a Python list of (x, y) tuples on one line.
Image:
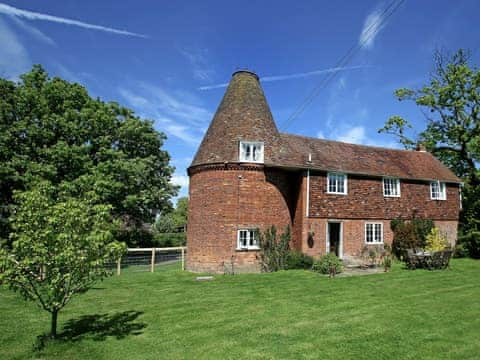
[(33, 31), (31, 15), (14, 58), (358, 134), (181, 180), (374, 22), (291, 76), (178, 118), (354, 135), (198, 59)]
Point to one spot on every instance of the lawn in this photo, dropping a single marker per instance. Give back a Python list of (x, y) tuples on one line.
[(293, 314)]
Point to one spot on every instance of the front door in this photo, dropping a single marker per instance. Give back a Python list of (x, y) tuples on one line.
[(334, 238)]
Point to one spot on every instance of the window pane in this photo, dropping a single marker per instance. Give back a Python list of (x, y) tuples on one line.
[(340, 181), (369, 233), (247, 152), (243, 239)]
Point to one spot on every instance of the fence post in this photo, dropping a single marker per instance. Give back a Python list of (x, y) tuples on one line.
[(152, 269), (183, 258), (119, 266)]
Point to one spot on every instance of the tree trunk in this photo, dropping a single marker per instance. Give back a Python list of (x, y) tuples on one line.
[(53, 331)]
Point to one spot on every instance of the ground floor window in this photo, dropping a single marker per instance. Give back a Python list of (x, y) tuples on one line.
[(374, 233), (247, 239)]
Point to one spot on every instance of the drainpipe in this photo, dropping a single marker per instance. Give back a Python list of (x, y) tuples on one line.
[(307, 210)]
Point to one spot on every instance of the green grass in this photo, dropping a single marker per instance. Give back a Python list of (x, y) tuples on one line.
[(293, 314)]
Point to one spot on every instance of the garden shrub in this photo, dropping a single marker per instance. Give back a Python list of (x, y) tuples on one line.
[(436, 241), (273, 252), (422, 228), (409, 234), (326, 263), (460, 251), (298, 260), (471, 243), (169, 239), (404, 237)]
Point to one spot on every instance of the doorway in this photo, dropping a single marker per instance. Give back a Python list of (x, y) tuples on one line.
[(334, 238)]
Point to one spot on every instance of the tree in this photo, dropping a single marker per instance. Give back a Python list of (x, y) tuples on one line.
[(170, 221), (60, 248), (452, 100), (53, 130)]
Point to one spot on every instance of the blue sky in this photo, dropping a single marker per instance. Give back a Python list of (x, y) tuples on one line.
[(164, 58)]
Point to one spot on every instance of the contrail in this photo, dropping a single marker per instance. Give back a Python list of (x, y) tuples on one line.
[(30, 15), (290, 76)]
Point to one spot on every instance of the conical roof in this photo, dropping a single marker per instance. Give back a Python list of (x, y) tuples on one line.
[(243, 115)]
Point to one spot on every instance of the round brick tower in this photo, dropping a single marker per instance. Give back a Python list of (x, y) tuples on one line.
[(235, 186)]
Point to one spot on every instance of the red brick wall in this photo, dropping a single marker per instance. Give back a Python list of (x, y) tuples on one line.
[(365, 200), (223, 201), (353, 236)]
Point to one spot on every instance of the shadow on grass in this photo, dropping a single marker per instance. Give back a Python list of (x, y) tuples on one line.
[(97, 327)]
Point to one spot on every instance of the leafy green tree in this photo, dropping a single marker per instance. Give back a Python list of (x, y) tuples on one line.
[(53, 130), (170, 221), (60, 248), (452, 103), (181, 212)]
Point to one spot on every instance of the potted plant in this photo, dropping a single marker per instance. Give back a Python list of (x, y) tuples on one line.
[(387, 263)]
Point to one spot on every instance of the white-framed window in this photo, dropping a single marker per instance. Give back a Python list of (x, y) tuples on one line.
[(391, 187), (251, 151), (247, 239), (437, 190), (337, 183), (374, 233)]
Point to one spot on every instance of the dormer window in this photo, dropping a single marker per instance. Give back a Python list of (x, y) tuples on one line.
[(437, 190), (251, 151)]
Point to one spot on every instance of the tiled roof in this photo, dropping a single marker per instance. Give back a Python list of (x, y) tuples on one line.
[(244, 114), (360, 159)]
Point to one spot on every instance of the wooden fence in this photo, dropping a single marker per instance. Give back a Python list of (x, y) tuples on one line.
[(151, 257)]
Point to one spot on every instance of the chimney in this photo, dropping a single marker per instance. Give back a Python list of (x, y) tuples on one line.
[(421, 147)]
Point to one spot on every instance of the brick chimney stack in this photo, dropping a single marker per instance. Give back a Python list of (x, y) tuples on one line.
[(421, 147)]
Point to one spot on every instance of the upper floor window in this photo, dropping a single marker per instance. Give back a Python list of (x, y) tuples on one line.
[(374, 233), (247, 239), (391, 187), (251, 151), (337, 183), (437, 190)]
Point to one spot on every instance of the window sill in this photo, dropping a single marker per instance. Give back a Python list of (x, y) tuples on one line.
[(334, 193), (251, 162), (438, 199), (374, 243), (391, 196), (247, 250)]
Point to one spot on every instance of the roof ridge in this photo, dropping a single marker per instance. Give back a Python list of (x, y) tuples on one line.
[(359, 145)]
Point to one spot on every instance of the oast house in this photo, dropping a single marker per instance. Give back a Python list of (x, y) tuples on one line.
[(336, 197)]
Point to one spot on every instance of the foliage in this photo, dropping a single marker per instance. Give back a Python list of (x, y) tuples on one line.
[(170, 221), (59, 249), (405, 237), (471, 243), (326, 263), (298, 260), (409, 234), (422, 227), (165, 223), (274, 251), (169, 239), (452, 100), (460, 250), (436, 241), (53, 130), (387, 262)]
